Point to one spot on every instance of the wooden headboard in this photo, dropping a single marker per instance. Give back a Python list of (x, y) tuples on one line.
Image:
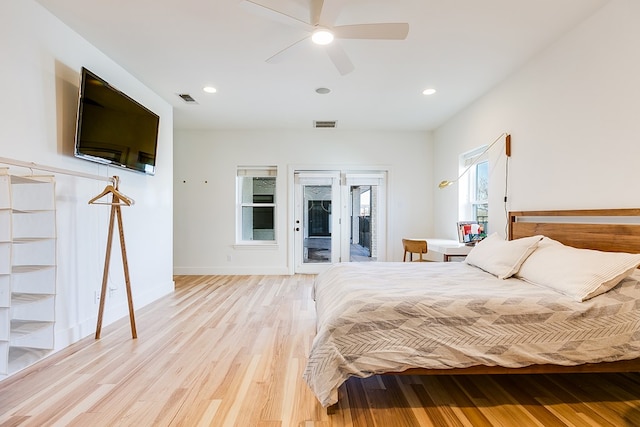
[(610, 230)]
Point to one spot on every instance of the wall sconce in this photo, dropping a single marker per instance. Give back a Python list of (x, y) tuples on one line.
[(507, 144)]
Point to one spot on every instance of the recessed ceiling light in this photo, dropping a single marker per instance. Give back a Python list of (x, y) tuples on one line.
[(429, 91), (322, 36), (209, 89), (323, 90)]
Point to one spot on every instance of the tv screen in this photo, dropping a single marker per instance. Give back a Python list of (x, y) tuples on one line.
[(114, 129)]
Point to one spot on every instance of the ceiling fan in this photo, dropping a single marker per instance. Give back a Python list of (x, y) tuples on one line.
[(323, 14)]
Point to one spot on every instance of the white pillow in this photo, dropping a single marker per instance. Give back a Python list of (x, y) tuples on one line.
[(500, 257), (578, 273)]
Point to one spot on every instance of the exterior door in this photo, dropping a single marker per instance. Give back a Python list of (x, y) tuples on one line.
[(364, 221), (338, 217), (316, 221)]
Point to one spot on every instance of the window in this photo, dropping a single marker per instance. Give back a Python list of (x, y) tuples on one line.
[(474, 191), (480, 194), (256, 212)]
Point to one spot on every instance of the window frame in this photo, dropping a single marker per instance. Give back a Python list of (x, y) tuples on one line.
[(476, 202), (255, 172), (468, 200)]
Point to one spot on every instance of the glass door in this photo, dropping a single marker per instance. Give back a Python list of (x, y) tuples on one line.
[(316, 220), (364, 224)]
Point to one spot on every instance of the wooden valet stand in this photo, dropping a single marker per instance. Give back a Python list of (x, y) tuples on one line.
[(117, 200)]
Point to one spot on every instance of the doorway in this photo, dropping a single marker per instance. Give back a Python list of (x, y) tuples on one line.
[(317, 227), (338, 217), (362, 248)]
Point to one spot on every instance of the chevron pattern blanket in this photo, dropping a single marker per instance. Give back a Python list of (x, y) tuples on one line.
[(388, 317)]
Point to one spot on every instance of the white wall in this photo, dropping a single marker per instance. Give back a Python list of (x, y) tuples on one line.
[(39, 75), (574, 116), (204, 213)]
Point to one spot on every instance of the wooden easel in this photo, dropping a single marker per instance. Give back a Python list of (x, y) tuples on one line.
[(117, 200)]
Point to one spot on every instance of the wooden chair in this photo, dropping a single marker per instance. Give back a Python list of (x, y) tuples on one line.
[(414, 247)]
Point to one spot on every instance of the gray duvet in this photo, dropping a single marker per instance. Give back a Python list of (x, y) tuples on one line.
[(388, 317)]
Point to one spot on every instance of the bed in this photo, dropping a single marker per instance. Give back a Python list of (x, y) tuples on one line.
[(458, 318)]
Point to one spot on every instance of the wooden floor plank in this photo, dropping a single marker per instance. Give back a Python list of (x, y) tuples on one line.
[(230, 350)]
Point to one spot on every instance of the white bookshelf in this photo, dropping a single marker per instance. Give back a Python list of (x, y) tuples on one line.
[(27, 270)]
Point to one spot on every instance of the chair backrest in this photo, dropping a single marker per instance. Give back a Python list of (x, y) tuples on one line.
[(414, 247)]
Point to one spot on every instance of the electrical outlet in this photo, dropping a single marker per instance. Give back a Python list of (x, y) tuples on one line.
[(96, 297), (229, 258)]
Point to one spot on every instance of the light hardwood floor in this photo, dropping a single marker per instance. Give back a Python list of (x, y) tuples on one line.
[(230, 351)]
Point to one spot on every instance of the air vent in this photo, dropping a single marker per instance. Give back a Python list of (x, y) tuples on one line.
[(324, 124), (187, 98)]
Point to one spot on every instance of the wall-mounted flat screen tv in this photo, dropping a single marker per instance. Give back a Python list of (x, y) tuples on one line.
[(114, 129)]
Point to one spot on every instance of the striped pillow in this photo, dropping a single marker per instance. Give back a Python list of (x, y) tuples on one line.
[(578, 273), (500, 257)]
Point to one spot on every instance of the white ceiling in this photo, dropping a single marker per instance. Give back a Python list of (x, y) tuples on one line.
[(460, 47)]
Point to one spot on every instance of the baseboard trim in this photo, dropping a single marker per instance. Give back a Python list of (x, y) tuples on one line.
[(230, 271)]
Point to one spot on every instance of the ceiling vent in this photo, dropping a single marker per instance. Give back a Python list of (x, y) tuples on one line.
[(324, 124), (187, 98)]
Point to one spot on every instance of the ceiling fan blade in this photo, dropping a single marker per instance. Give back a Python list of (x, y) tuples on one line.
[(328, 11), (386, 31), (284, 53), (274, 15), (339, 58), (315, 10)]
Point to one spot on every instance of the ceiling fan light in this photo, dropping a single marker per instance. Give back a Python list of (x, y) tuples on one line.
[(322, 37)]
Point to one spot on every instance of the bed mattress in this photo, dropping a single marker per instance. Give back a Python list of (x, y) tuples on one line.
[(388, 317)]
